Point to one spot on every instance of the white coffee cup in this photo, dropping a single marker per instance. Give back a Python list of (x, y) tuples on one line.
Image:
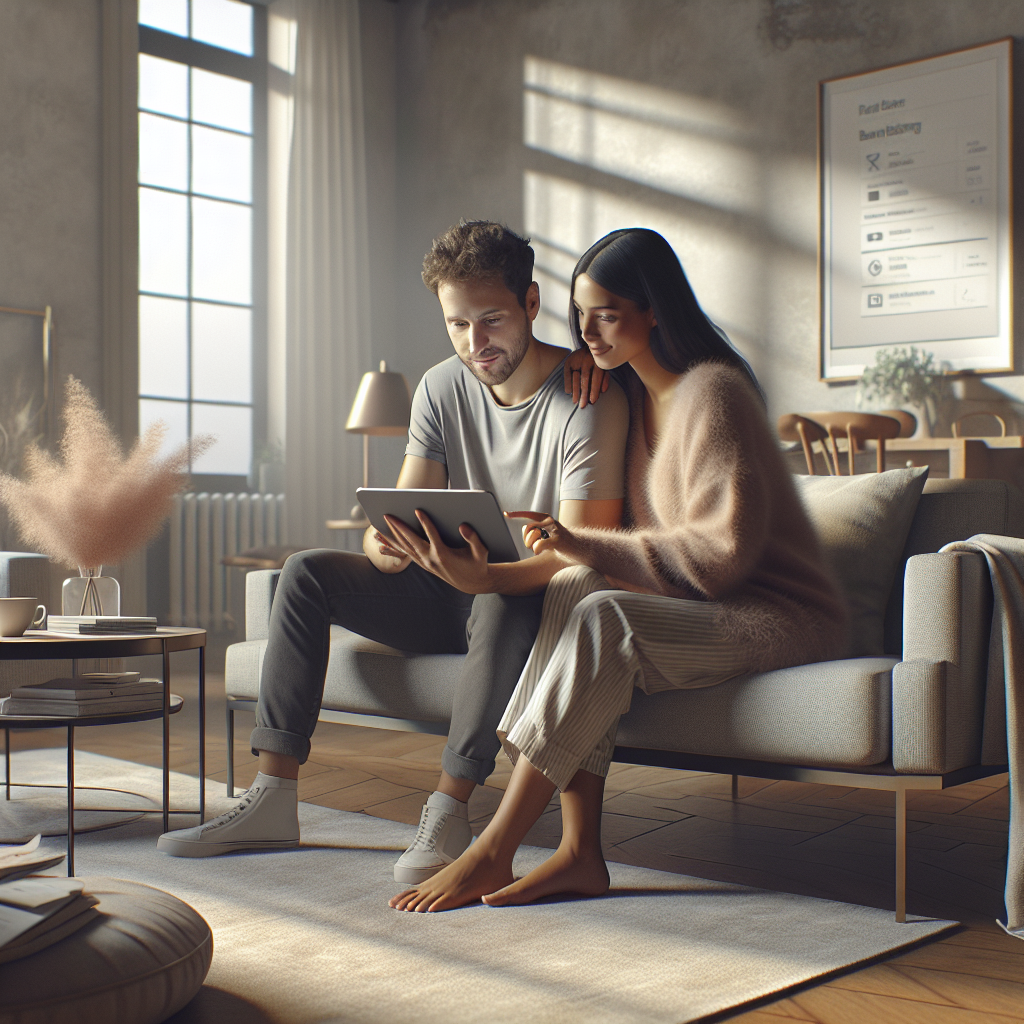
[(20, 613)]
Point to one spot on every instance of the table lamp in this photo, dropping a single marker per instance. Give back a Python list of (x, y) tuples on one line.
[(381, 407)]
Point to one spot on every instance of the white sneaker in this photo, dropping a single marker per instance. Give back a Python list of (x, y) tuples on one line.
[(443, 836), (266, 819)]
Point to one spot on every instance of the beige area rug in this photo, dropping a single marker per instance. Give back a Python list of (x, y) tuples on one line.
[(306, 935), (103, 798)]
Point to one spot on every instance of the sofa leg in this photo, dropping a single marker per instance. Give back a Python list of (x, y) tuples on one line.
[(735, 787), (231, 750), (901, 855)]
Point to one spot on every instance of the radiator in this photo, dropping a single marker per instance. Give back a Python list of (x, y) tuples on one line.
[(205, 528)]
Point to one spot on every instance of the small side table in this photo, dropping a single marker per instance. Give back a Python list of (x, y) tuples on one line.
[(38, 645), (8, 722), (271, 557), (347, 524)]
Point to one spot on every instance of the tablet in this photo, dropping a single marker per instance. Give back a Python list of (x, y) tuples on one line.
[(448, 509)]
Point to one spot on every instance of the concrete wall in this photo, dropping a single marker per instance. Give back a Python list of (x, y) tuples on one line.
[(696, 117), (445, 97), (49, 189)]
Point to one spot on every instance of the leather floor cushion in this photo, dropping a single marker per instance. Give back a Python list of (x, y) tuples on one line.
[(141, 961)]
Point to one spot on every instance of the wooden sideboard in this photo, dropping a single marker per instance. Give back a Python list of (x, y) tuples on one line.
[(961, 458)]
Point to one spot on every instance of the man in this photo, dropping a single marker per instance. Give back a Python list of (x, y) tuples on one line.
[(494, 416)]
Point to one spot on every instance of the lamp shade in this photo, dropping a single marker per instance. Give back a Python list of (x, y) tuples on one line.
[(381, 404)]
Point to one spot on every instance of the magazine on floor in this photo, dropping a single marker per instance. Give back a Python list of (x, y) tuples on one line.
[(18, 861), (37, 912)]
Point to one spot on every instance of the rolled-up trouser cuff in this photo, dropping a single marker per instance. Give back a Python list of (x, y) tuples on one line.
[(557, 764), (459, 767), (277, 741)]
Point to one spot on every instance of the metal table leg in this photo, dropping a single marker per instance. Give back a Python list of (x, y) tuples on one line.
[(230, 726), (71, 801), (7, 761), (901, 855), (202, 735), (167, 737)]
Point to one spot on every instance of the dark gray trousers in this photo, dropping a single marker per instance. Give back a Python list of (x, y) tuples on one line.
[(412, 611)]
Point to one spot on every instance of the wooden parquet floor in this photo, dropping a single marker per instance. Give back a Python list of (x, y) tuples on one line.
[(824, 841)]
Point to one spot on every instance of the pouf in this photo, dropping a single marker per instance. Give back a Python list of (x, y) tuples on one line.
[(142, 960)]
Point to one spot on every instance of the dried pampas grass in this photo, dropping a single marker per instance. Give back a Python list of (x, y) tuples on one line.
[(93, 506)]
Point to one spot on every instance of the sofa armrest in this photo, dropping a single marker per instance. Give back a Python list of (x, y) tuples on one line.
[(260, 587), (25, 575), (938, 690)]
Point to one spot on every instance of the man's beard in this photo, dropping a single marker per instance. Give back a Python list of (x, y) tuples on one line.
[(504, 366)]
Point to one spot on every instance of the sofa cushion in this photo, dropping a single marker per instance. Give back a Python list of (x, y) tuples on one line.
[(863, 523), (836, 714), (363, 677)]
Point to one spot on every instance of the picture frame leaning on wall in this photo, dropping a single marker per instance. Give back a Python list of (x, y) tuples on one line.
[(915, 244)]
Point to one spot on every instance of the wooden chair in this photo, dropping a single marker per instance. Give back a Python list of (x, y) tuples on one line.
[(907, 420), (794, 427), (981, 412), (857, 427)]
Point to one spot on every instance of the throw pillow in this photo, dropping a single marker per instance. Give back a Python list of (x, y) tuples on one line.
[(863, 522)]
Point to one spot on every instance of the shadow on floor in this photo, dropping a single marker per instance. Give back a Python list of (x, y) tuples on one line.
[(215, 1006)]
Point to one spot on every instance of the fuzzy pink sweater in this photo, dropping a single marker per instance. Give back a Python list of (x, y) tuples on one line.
[(713, 515)]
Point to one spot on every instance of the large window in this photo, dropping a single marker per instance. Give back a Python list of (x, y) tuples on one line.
[(201, 153)]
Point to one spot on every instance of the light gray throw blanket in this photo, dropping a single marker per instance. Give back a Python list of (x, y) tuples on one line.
[(1003, 733)]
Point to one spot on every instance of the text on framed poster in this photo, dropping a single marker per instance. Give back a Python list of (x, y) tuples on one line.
[(915, 213)]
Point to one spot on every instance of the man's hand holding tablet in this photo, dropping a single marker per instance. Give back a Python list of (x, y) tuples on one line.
[(465, 568), (448, 510), (433, 528)]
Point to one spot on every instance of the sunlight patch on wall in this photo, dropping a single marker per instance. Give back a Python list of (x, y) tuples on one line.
[(791, 208), (684, 145), (564, 218)]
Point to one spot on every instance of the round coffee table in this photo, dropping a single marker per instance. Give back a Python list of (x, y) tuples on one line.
[(42, 645)]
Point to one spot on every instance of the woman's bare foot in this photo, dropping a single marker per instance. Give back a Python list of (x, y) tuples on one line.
[(463, 881), (565, 871)]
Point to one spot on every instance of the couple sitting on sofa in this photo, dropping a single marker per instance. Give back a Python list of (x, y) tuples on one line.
[(715, 572)]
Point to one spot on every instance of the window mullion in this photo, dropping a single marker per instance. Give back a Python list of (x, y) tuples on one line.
[(191, 260)]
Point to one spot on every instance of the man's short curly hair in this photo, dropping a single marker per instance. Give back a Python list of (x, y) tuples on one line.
[(480, 250)]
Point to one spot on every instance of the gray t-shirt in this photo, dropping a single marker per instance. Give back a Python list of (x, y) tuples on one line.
[(530, 456)]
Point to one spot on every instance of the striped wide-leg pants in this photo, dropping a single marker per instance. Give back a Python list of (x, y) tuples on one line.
[(595, 644)]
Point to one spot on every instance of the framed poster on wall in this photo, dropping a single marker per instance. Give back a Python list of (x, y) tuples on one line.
[(916, 244)]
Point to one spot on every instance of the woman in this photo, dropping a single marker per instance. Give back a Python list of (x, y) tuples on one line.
[(718, 571)]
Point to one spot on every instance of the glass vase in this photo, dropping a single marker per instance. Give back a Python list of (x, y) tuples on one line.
[(91, 593)]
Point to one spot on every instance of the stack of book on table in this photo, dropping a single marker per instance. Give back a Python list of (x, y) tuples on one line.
[(37, 912), (95, 693), (101, 625)]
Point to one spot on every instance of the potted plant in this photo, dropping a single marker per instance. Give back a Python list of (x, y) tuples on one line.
[(91, 505), (905, 377)]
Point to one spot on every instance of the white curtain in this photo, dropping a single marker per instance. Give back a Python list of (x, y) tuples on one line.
[(328, 337)]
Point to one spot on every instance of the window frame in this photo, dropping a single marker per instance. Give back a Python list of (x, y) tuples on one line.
[(254, 69)]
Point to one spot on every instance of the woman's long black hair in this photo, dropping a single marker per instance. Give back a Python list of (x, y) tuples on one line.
[(638, 264)]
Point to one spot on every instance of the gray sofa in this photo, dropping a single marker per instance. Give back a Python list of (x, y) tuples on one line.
[(909, 718)]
